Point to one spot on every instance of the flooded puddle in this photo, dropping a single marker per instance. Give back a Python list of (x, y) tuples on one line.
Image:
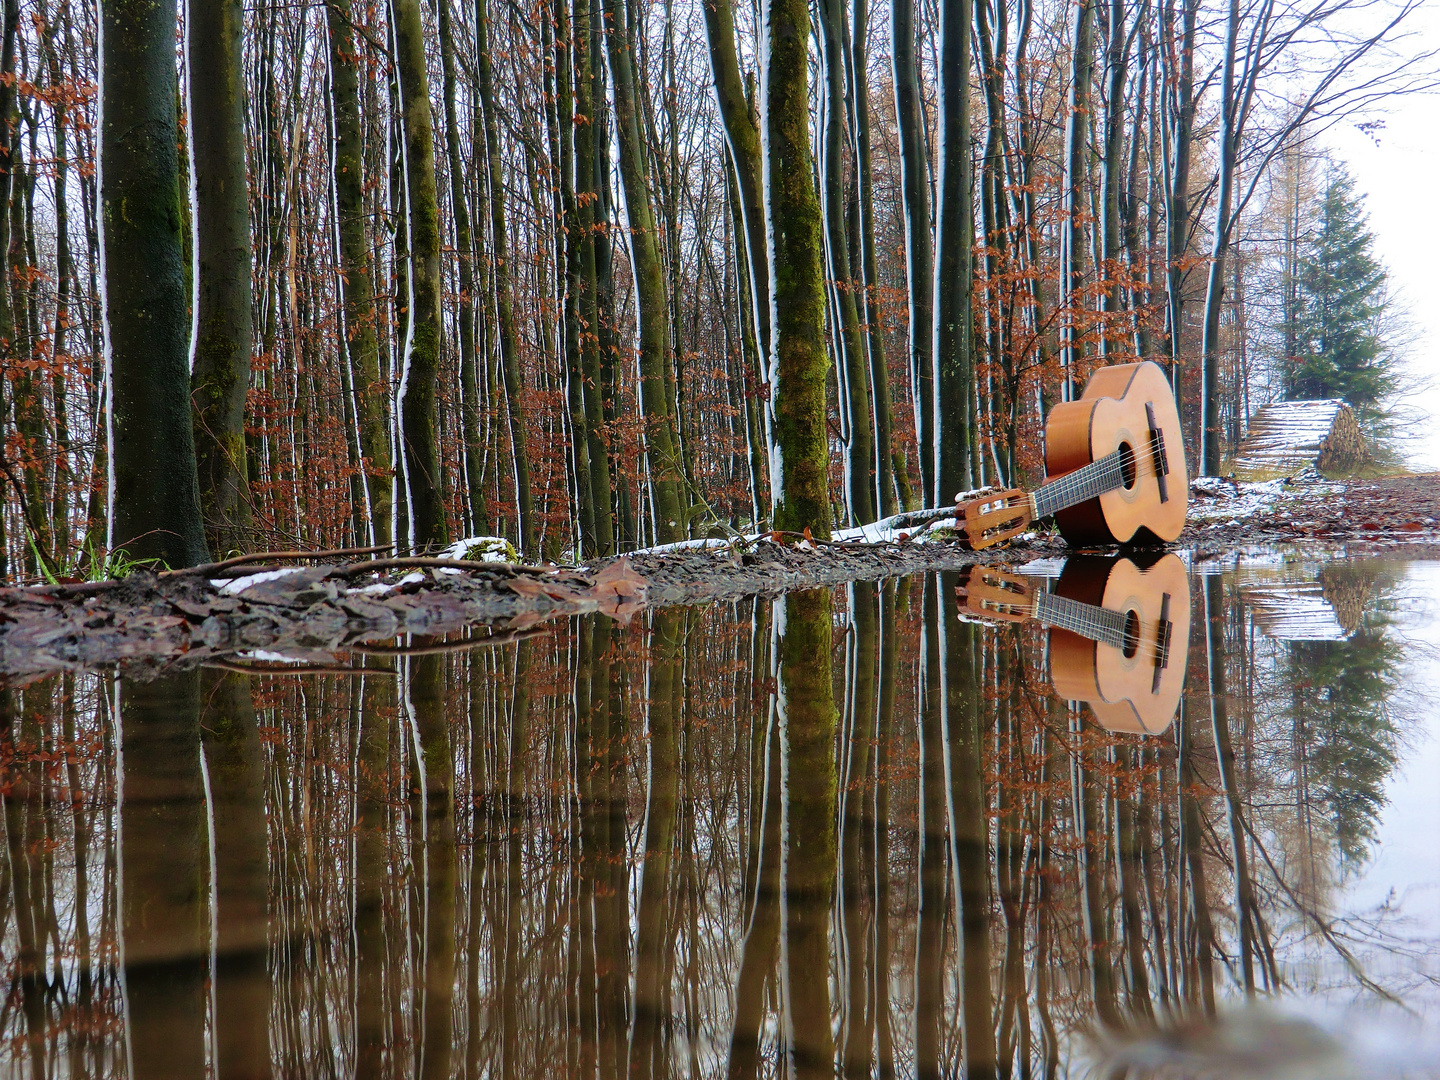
[(997, 823)]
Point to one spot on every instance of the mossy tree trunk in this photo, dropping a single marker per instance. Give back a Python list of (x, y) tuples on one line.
[(661, 445), (421, 362), (356, 288), (799, 362), (582, 343), (807, 719), (220, 367), (7, 184), (155, 495)]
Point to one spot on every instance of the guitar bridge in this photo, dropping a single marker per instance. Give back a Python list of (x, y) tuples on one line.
[(1163, 629), (1157, 452)]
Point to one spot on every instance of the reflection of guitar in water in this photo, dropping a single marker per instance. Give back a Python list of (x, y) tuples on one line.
[(1115, 464), (1119, 632)]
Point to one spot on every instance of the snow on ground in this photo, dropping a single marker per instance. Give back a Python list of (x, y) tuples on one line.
[(482, 549), (240, 584), (1216, 501)]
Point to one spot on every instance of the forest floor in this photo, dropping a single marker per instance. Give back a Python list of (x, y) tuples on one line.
[(315, 617)]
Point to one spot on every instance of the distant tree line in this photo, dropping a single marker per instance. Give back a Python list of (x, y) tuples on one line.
[(597, 274)]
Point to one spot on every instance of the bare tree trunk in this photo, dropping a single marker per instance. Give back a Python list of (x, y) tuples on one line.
[(919, 252), (1072, 236), (888, 464), (1210, 441), (662, 450), (849, 344), (1179, 67), (220, 353), (957, 464)]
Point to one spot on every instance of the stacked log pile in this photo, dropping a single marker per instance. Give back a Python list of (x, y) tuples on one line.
[(1286, 436)]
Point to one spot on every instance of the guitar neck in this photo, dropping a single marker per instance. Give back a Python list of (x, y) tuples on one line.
[(1101, 475), (1087, 620)]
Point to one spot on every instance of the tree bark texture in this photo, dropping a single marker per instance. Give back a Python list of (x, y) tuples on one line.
[(154, 493), (421, 359), (799, 362), (954, 434), (504, 299), (662, 449), (919, 252), (220, 352)]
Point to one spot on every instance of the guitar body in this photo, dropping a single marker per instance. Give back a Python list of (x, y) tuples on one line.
[(1111, 415), (1124, 687)]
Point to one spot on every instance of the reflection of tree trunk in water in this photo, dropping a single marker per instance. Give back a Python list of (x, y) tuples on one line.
[(23, 795), (235, 759), (759, 741), (651, 955), (858, 1033), (1133, 927), (481, 694), (515, 827), (929, 938), (1145, 845), (437, 831), (969, 833), (1246, 910), (82, 831), (581, 973), (164, 860), (807, 725), (377, 700), (595, 826), (1051, 753), (1010, 859), (612, 907), (880, 981), (1089, 822), (1202, 933), (758, 953)]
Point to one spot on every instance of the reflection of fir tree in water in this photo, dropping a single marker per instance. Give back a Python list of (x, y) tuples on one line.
[(1347, 742)]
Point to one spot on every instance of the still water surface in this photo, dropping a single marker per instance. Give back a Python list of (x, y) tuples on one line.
[(849, 832)]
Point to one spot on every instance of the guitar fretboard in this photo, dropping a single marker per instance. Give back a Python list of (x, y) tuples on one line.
[(1087, 620), (1101, 475)]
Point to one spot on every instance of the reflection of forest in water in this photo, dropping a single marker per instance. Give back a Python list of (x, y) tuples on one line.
[(605, 850)]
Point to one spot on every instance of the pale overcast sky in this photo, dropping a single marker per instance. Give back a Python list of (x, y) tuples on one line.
[(1398, 169)]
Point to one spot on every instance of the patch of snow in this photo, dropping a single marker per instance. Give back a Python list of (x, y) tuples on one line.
[(240, 584), (271, 657), (692, 545), (482, 549)]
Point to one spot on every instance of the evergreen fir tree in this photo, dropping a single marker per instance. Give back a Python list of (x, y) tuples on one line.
[(1341, 349)]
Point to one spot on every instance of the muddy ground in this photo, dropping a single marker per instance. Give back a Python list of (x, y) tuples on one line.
[(324, 615)]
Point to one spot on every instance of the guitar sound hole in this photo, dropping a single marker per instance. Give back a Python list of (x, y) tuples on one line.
[(1127, 465), (1132, 635)]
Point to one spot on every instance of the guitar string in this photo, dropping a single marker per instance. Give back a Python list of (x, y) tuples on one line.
[(1101, 475), (1097, 624), (1075, 487)]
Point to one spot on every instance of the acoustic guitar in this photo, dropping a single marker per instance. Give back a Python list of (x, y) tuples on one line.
[(1119, 632), (1114, 463)]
